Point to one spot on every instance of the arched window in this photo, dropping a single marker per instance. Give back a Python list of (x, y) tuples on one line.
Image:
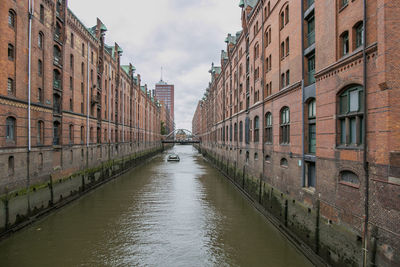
[(240, 131), (10, 129), (284, 162), (312, 134), (57, 80), (247, 156), (57, 55), (268, 127), (358, 32), (256, 156), (285, 126), (40, 136), (256, 51), (351, 111), (40, 40), (344, 43), (56, 133), (256, 129), (11, 18), (349, 177), (267, 158)]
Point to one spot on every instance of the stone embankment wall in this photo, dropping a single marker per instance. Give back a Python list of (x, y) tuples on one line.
[(22, 207), (320, 239)]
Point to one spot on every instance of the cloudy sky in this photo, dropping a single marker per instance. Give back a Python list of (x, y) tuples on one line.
[(182, 36)]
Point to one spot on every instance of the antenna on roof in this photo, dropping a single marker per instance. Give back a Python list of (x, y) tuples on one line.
[(161, 73)]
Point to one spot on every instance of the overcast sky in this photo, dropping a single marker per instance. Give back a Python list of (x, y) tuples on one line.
[(182, 36)]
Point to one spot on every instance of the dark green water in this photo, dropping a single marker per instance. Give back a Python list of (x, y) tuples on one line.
[(160, 214)]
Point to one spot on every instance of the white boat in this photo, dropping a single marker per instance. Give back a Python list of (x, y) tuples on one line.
[(173, 157)]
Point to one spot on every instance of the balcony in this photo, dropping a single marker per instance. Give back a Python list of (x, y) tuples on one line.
[(58, 62), (57, 37)]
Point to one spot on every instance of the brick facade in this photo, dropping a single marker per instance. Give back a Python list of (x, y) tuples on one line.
[(293, 54), (85, 106)]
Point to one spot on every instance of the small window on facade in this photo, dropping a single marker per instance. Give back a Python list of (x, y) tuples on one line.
[(40, 137), (287, 77), (344, 38), (351, 116), (344, 3), (83, 69), (312, 127), (10, 129), (256, 156), (10, 86), (287, 46), (240, 131), (72, 40), (285, 126), (282, 20), (83, 50), (282, 50), (256, 129), (40, 68), (71, 134), (40, 95), (282, 80), (11, 52), (268, 127), (267, 158), (287, 15), (11, 19), (40, 40), (71, 83), (349, 177), (359, 33), (11, 165), (56, 133), (247, 156), (284, 162), (41, 13), (71, 63)]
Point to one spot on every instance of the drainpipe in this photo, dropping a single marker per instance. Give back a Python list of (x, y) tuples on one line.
[(364, 134), (31, 10), (88, 105), (303, 168)]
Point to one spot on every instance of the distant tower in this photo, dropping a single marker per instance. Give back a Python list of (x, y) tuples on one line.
[(165, 93)]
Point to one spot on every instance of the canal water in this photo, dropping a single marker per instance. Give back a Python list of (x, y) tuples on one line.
[(160, 214)]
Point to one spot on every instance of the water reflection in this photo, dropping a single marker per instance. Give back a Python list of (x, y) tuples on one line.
[(161, 214)]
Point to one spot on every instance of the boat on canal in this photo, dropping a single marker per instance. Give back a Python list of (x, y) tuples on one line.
[(173, 157)]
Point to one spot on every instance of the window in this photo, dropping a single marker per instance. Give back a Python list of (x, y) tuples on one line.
[(83, 69), (310, 30), (256, 129), (268, 127), (71, 134), (287, 78), (343, 3), (11, 19), (57, 103), (351, 116), (10, 129), (83, 50), (282, 50), (344, 39), (58, 7), (91, 57), (40, 136), (311, 68), (40, 40), (349, 177), (41, 16), (57, 55), (287, 15), (71, 105), (11, 165), (284, 162), (57, 80), (359, 33), (56, 133), (82, 134), (312, 126), (10, 86), (230, 133), (40, 68), (72, 40), (287, 46), (247, 131), (11, 52), (256, 156), (247, 156), (282, 20), (57, 33), (256, 51), (282, 80), (240, 131), (71, 63), (285, 126), (71, 83), (40, 95), (235, 132), (310, 175)]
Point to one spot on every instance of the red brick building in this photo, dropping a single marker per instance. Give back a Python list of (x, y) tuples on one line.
[(66, 102), (307, 100), (165, 93)]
